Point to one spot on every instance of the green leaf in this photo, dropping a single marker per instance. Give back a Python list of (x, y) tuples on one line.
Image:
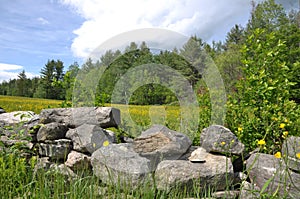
[(266, 184)]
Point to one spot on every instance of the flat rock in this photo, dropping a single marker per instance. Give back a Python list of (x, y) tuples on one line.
[(16, 117), (199, 155), (88, 138), (55, 149), (291, 152), (217, 138), (52, 131), (119, 163), (215, 173), (264, 167), (73, 117), (160, 143)]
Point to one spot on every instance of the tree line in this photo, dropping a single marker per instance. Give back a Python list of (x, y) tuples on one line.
[(241, 55)]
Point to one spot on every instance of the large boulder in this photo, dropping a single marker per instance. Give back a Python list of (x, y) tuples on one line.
[(216, 172), (51, 131), (217, 138), (16, 117), (55, 149), (74, 117), (119, 163), (88, 138), (291, 152), (267, 170), (160, 143)]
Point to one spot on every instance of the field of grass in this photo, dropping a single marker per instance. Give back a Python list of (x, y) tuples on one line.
[(13, 103)]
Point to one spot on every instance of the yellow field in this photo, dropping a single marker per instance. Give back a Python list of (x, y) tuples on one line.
[(13, 103), (134, 119)]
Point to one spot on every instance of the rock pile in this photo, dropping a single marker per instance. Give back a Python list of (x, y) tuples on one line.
[(75, 139)]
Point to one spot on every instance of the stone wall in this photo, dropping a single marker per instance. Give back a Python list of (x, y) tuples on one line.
[(76, 140)]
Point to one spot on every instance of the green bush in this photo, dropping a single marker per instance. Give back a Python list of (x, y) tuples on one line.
[(261, 109)]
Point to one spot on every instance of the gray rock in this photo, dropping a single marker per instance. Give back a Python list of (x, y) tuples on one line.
[(43, 163), (290, 149), (249, 191), (160, 143), (225, 194), (264, 168), (2, 110), (188, 153), (126, 139), (32, 127), (87, 138), (78, 161), (198, 155), (16, 117), (51, 131), (74, 117), (239, 177), (119, 163), (216, 173), (63, 170), (110, 135), (219, 139), (21, 143), (55, 149)]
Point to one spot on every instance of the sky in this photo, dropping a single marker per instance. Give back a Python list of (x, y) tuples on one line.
[(35, 31)]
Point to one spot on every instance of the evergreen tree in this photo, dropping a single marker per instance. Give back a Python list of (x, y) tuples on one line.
[(22, 84), (194, 53), (266, 15), (51, 73)]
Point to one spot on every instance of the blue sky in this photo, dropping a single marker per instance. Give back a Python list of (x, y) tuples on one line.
[(34, 31)]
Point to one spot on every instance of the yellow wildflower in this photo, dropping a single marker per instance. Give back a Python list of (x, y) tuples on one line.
[(277, 155), (298, 155), (285, 134), (240, 129), (286, 120), (94, 145), (282, 125), (274, 118), (223, 143), (105, 143), (261, 142)]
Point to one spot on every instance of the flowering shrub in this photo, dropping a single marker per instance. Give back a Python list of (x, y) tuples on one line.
[(261, 113)]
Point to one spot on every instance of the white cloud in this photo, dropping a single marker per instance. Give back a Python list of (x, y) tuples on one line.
[(6, 75), (209, 19), (43, 20), (6, 67)]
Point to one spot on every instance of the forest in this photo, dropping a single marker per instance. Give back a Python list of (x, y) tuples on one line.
[(269, 29)]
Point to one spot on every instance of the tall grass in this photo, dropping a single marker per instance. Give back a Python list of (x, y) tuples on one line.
[(13, 103)]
